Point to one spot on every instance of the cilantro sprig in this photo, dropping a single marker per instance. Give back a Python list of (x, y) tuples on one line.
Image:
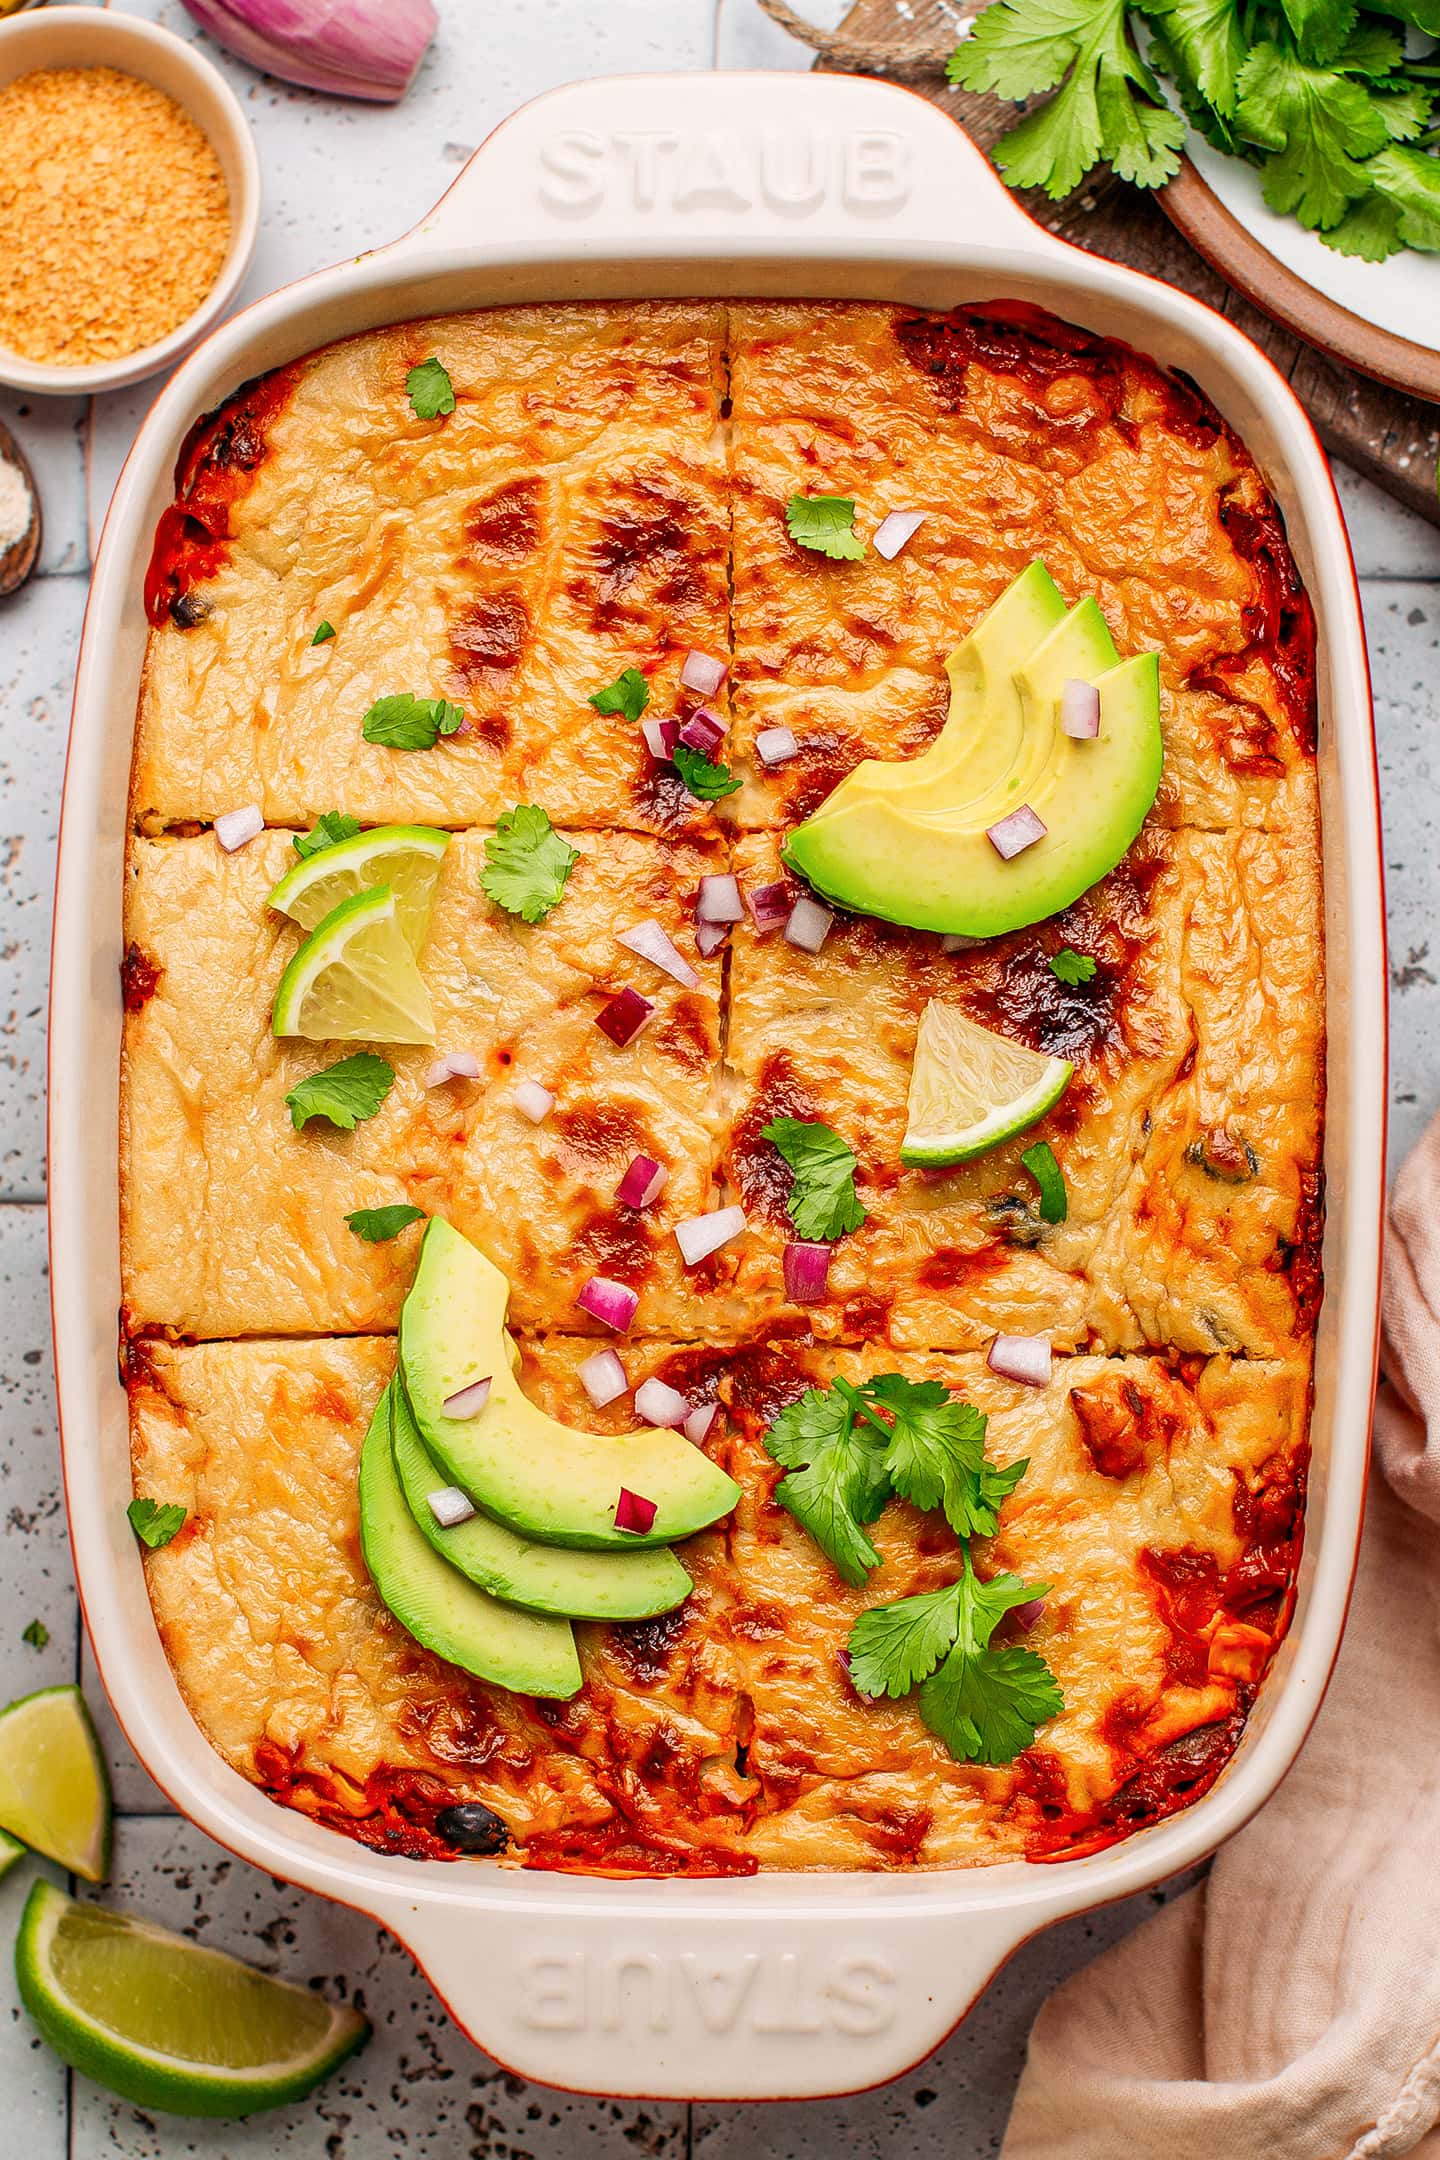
[(377, 1225), (826, 525), (346, 1093), (155, 1522), (1321, 96), (823, 1202), (629, 694), (407, 722), (526, 863), (331, 828), (430, 390), (703, 778), (985, 1704), (1072, 967), (850, 1448)]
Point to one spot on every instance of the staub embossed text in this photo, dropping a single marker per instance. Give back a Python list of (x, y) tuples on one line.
[(764, 1993), (865, 171)]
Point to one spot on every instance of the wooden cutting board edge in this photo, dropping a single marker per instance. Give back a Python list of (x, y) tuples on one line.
[(1392, 438)]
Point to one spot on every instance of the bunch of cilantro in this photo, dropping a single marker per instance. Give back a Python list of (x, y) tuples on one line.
[(848, 1450), (1320, 96)]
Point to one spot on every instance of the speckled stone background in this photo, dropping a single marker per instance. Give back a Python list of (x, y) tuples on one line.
[(420, 2089)]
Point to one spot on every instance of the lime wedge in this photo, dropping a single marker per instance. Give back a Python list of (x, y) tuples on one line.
[(54, 1793), (355, 979), (407, 858), (970, 1089), (166, 2024), (11, 1850)]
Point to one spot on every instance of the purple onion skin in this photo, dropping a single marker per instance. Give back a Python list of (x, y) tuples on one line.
[(635, 1513), (807, 1271), (624, 1016), (372, 51), (597, 1299)]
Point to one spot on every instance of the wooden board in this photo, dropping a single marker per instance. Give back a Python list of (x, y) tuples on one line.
[(1391, 437)]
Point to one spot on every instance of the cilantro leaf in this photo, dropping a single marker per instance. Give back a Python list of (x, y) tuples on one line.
[(826, 525), (628, 694), (986, 1705), (1021, 47), (706, 781), (1040, 1161), (333, 827), (837, 1482), (936, 1453), (407, 722), (1317, 126), (377, 1225), (823, 1202), (155, 1522), (1410, 180), (526, 863), (1320, 27), (1072, 967), (347, 1093), (429, 390), (37, 1634), (1204, 44), (324, 634)]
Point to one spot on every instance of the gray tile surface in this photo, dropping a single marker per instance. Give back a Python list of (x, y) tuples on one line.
[(419, 2089)]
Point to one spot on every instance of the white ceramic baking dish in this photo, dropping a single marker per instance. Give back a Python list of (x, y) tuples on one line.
[(781, 1985)]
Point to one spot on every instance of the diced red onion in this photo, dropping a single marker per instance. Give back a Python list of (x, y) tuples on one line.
[(450, 1506), (956, 941), (1015, 833), (467, 1402), (774, 744), (237, 828), (719, 900), (650, 941), (660, 1405), (634, 1512), (709, 937), (807, 1273), (700, 1235), (896, 531), (703, 673), (661, 737), (603, 1378), (1024, 1617), (769, 906), (702, 732), (533, 1101), (1080, 709), (1024, 1358), (624, 1016), (454, 1065), (612, 1302), (808, 925), (643, 1182), (701, 1418)]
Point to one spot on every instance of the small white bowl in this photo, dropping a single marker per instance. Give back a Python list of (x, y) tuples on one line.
[(56, 37)]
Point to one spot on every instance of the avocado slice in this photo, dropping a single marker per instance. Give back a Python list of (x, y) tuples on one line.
[(436, 1604), (539, 1578), (983, 728), (546, 1480), (934, 868)]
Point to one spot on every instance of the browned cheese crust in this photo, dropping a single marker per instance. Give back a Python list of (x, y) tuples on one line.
[(610, 493)]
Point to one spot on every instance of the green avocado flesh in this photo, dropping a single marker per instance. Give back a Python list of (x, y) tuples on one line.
[(541, 1578), (436, 1604), (921, 857), (546, 1480), (983, 726)]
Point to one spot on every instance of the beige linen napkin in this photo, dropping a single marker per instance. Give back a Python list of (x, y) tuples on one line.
[(1289, 2008)]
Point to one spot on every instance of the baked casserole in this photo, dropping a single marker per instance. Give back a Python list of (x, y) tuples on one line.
[(608, 493)]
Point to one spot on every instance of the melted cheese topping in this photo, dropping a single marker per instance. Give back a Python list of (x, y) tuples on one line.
[(608, 493)]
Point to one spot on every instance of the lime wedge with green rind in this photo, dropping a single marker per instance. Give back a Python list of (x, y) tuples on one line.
[(971, 1089), (11, 1850), (355, 980), (407, 858), (54, 1790), (165, 2023)]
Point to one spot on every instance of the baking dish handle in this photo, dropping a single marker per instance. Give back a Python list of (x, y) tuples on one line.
[(682, 164), (694, 1992)]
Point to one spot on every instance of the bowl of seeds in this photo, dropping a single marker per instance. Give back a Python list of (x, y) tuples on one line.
[(129, 198)]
